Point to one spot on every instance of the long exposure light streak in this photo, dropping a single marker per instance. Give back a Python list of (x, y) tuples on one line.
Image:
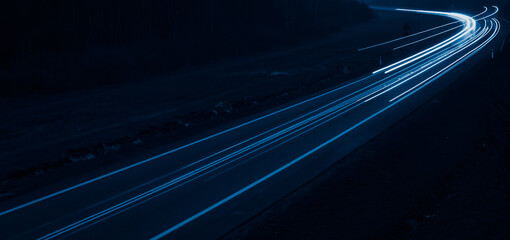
[(399, 81), (421, 32), (469, 27)]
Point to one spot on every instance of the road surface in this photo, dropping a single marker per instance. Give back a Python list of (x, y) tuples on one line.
[(216, 181)]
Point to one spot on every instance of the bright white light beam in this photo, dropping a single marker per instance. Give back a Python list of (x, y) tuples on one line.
[(469, 26)]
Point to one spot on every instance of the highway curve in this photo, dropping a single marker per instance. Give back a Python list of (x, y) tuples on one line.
[(218, 180)]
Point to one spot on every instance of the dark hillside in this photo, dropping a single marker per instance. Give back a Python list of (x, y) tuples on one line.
[(95, 42)]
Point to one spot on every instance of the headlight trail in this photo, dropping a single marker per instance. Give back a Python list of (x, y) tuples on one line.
[(460, 60), (421, 32), (469, 27), (438, 60), (426, 38), (364, 98), (437, 34)]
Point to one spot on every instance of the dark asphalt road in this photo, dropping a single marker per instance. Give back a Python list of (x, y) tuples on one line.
[(215, 182)]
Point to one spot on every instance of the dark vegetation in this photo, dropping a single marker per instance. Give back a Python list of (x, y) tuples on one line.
[(60, 45)]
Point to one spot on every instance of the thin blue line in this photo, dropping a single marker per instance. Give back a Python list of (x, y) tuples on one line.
[(171, 151), (230, 197)]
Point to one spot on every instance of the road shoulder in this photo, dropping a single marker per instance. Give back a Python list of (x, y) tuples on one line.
[(441, 172)]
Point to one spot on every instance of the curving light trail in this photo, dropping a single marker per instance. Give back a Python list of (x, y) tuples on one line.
[(469, 26), (421, 32), (399, 81), (497, 27), (426, 38), (453, 45)]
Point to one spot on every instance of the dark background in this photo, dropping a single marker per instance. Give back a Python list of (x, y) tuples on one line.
[(473, 5), (56, 47), (61, 45)]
